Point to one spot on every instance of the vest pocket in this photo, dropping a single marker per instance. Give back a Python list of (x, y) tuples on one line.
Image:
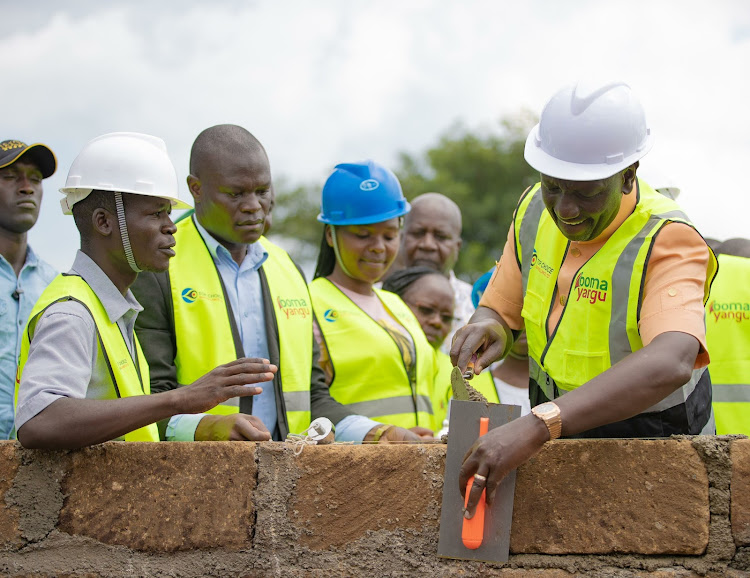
[(581, 366), (533, 308)]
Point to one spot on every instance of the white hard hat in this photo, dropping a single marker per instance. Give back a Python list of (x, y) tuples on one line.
[(124, 162), (589, 131), (658, 180)]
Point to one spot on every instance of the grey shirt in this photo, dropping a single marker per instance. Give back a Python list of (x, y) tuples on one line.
[(65, 357)]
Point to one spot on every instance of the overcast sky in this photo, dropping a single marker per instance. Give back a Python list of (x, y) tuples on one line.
[(332, 81)]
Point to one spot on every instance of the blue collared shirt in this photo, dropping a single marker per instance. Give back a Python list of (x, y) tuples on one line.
[(34, 277), (244, 291)]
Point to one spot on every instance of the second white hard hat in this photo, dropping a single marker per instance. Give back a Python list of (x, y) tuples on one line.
[(589, 131), (125, 162)]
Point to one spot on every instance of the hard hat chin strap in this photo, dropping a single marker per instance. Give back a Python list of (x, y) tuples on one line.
[(124, 233), (338, 255)]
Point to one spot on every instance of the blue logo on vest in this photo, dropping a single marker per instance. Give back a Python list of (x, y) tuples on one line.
[(331, 315), (189, 295), (369, 185)]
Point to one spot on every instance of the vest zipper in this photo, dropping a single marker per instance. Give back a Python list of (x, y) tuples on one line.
[(565, 308)]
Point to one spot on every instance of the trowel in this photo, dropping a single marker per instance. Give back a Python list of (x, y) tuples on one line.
[(462, 390), (486, 536)]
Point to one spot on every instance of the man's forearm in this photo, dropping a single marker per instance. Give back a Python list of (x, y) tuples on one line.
[(74, 423)]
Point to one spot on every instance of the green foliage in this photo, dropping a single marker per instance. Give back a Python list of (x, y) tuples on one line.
[(295, 217), (485, 174), (483, 171)]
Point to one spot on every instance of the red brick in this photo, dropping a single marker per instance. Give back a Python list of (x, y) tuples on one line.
[(10, 536), (612, 496), (740, 509), (162, 496), (354, 489)]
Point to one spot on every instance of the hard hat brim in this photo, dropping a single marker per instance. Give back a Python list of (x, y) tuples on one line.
[(369, 220), (83, 192), (558, 169)]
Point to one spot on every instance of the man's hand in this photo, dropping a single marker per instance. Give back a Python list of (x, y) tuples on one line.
[(423, 432), (486, 335), (233, 427), (222, 383), (392, 434), (498, 453)]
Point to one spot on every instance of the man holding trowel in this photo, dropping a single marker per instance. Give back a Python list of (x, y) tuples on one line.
[(609, 280)]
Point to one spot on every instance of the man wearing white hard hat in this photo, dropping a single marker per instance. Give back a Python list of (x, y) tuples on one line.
[(82, 378), (609, 280)]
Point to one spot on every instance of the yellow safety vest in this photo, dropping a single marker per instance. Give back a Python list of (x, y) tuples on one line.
[(369, 376), (203, 327), (129, 377), (599, 323), (444, 392), (728, 339)]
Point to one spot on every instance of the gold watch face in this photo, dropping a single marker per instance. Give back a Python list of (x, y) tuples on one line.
[(545, 408)]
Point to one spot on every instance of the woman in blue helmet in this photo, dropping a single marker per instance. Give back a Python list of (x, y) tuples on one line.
[(375, 354)]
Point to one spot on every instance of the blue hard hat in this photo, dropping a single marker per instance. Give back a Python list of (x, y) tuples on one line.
[(361, 194), (479, 286)]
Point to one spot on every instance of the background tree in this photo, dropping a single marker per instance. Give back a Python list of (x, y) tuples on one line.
[(295, 226), (483, 171)]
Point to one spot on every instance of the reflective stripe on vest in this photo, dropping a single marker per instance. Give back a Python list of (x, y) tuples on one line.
[(129, 378), (731, 392), (728, 342), (369, 373), (203, 329), (604, 299)]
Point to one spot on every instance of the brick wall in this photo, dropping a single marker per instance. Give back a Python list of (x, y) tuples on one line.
[(662, 508)]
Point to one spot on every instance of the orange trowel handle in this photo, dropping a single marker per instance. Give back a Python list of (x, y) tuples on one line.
[(472, 533)]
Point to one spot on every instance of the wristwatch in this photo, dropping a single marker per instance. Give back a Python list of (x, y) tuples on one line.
[(549, 413)]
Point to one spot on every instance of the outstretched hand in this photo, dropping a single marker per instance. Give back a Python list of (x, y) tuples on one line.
[(222, 383)]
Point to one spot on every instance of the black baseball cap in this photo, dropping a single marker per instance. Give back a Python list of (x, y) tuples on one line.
[(42, 155)]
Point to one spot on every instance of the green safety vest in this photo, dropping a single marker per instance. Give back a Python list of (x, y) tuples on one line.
[(599, 323), (129, 377), (203, 323), (369, 376), (728, 339), (444, 391)]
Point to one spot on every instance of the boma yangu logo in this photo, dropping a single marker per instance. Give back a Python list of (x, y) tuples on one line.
[(736, 311), (591, 289), (331, 315), (189, 295), (369, 185)]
